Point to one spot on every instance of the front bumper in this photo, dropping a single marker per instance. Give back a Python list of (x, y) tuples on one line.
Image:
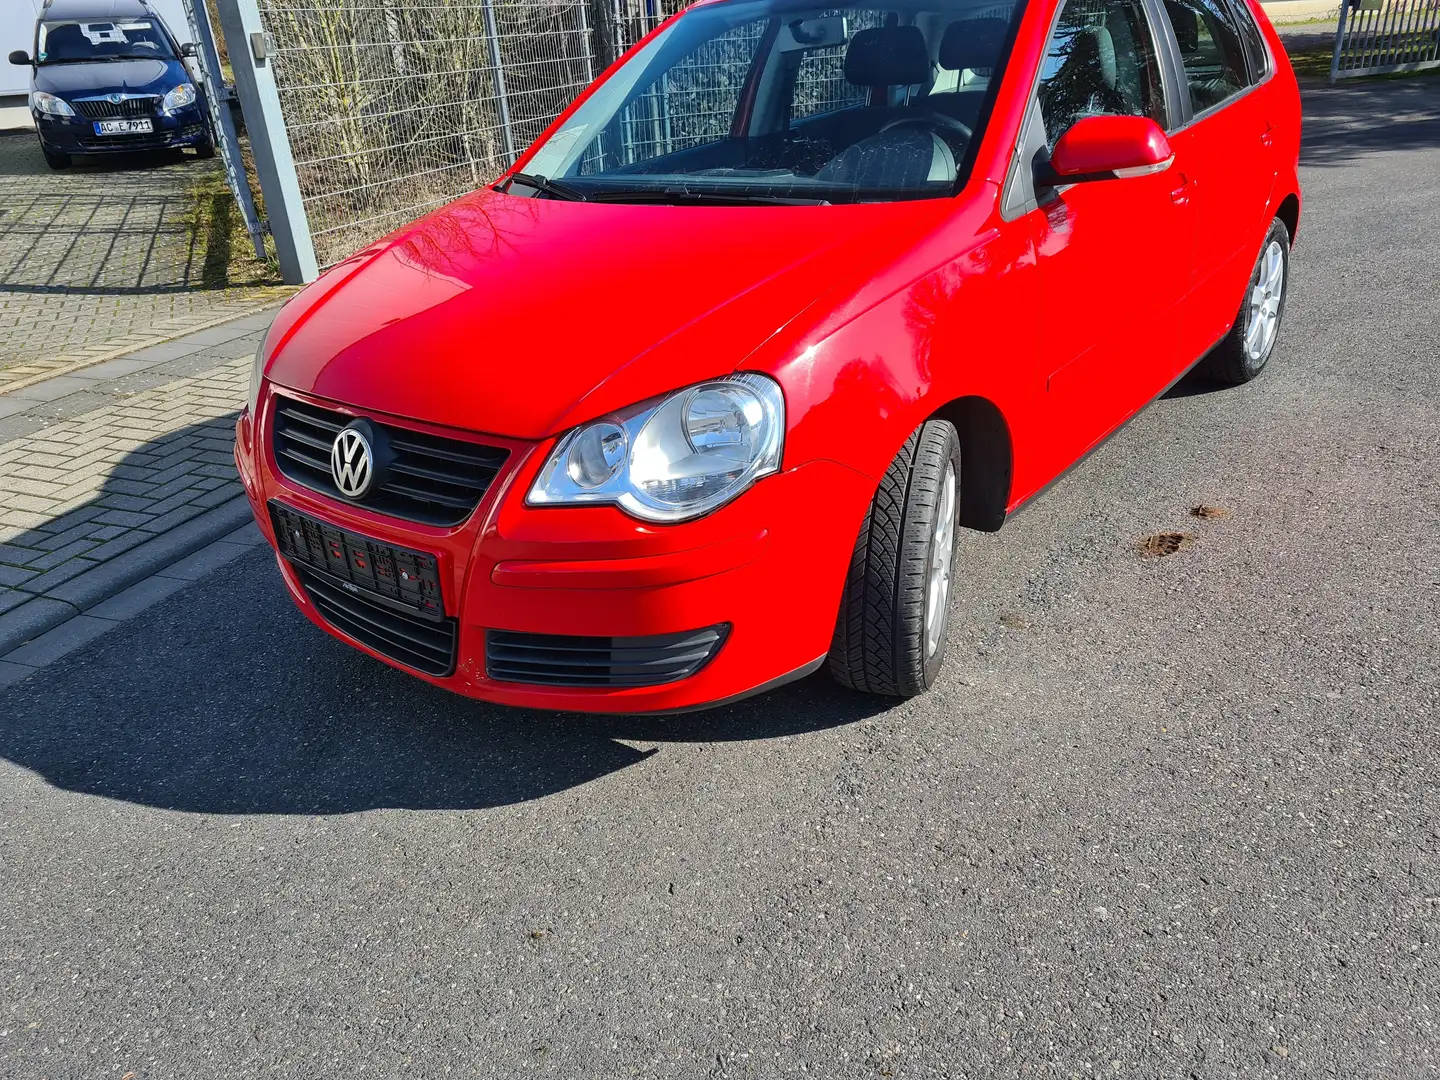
[(768, 567), (76, 134)]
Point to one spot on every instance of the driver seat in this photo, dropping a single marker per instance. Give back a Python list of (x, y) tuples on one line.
[(881, 58)]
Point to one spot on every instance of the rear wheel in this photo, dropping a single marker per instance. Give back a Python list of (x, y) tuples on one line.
[(56, 159), (1246, 349), (891, 632)]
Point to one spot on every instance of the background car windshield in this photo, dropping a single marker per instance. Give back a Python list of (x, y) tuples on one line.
[(125, 39), (760, 100)]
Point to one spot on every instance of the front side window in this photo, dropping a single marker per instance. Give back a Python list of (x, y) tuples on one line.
[(765, 100), (1210, 49), (70, 41), (1101, 62)]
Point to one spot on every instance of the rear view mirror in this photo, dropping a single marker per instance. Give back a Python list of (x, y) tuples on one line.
[(821, 33), (20, 58), (1108, 148)]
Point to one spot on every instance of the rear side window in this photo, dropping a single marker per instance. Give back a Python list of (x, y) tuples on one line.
[(1210, 49), (1101, 62), (1255, 54)]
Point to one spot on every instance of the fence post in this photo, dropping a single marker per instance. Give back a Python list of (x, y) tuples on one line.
[(602, 33), (222, 124), (250, 50), (1339, 42), (506, 135)]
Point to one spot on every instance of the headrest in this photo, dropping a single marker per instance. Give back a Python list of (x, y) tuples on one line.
[(1095, 48), (888, 56), (973, 44)]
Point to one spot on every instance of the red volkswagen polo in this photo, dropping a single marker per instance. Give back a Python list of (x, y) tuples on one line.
[(693, 400)]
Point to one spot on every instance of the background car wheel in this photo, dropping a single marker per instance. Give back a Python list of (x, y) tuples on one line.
[(891, 631), (55, 158), (1247, 347)]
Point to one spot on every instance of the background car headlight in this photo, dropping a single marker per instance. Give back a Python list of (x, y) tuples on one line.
[(673, 459), (178, 98), (49, 103)]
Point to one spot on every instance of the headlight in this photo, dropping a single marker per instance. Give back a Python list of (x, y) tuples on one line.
[(673, 459), (49, 103), (182, 95)]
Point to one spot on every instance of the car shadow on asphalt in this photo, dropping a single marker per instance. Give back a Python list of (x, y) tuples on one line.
[(1356, 117), (224, 699)]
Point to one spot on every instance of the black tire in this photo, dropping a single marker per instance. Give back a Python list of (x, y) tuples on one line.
[(880, 645), (206, 149), (56, 159), (1231, 362)]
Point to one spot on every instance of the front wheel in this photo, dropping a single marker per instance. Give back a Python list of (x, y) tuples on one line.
[(1245, 350), (56, 159), (891, 632), (205, 148)]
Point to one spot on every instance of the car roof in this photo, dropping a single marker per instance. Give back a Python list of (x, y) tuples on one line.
[(94, 9)]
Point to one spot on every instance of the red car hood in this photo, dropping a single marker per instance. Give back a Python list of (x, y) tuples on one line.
[(522, 317)]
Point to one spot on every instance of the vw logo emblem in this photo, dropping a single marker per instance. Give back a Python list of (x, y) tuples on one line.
[(352, 463)]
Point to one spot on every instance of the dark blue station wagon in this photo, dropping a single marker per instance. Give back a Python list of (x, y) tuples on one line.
[(108, 76)]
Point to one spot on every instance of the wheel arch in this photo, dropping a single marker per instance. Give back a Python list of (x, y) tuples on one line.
[(1289, 212), (986, 460)]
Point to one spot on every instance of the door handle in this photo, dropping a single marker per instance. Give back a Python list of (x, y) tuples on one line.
[(1267, 139), (1181, 195)]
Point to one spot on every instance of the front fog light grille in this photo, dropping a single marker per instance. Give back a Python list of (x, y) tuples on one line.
[(565, 660)]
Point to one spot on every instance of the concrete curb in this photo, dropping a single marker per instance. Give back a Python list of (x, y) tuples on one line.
[(89, 593), (74, 629)]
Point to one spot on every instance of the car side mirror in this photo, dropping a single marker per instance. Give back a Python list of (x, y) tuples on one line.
[(188, 49), (20, 58), (1108, 148)]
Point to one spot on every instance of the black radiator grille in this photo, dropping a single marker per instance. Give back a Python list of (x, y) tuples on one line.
[(419, 643), (126, 109), (565, 660), (427, 478)]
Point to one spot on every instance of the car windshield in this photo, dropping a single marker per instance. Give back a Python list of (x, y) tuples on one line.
[(70, 40), (772, 101)]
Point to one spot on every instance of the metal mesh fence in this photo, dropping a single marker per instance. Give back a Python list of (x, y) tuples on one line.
[(394, 107)]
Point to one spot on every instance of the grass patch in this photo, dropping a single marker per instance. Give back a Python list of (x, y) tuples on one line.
[(217, 230), (1312, 61)]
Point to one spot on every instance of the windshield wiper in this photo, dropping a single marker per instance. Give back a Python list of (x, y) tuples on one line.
[(546, 186), (686, 195)]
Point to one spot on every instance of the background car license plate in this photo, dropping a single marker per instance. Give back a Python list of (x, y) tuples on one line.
[(123, 127)]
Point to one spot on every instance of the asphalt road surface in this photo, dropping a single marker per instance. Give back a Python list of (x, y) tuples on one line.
[(1163, 817)]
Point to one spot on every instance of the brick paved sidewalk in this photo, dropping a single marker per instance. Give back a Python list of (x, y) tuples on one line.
[(105, 257), (111, 474)]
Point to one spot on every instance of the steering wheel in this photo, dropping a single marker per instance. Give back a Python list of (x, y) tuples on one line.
[(932, 120)]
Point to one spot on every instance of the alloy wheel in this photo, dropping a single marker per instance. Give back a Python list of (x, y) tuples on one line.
[(942, 547), (1266, 292)]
